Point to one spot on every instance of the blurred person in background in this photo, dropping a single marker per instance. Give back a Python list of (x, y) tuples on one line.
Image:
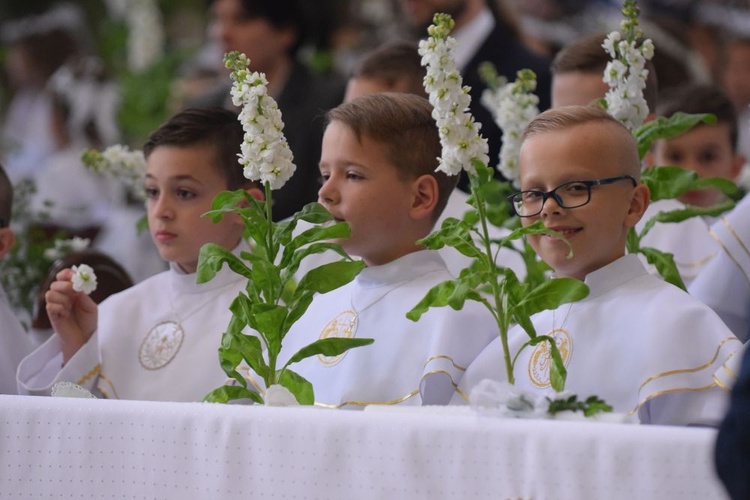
[(271, 33)]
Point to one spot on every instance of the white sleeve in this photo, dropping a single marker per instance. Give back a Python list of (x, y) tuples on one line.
[(42, 369)]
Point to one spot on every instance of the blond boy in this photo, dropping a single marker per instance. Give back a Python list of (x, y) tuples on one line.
[(641, 344), (158, 339), (378, 169)]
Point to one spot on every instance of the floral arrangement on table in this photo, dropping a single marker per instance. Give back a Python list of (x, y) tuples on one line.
[(496, 287), (271, 301)]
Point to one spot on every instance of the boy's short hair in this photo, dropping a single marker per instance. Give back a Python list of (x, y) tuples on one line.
[(395, 62), (588, 56), (403, 124), (6, 198), (701, 98), (281, 14), (564, 117), (200, 126)]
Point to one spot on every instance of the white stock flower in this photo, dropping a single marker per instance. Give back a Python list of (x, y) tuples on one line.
[(626, 74), (459, 133), (278, 395), (513, 106), (64, 247), (145, 30), (265, 154), (84, 279), (119, 162)]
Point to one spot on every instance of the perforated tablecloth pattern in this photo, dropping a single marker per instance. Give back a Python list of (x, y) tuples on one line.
[(86, 449)]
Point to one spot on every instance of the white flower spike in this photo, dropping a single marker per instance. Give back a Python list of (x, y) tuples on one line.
[(265, 155), (626, 74), (84, 279), (513, 106), (459, 133)]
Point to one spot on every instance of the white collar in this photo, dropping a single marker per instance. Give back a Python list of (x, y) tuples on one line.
[(405, 268), (471, 36), (614, 274)]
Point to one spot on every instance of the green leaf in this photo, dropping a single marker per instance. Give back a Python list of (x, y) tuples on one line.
[(330, 276), (665, 265), (340, 230), (690, 211), (332, 346), (211, 259), (298, 306), (266, 278), (229, 359), (314, 213), (314, 248), (251, 350), (668, 182), (269, 319), (667, 128), (552, 294), (453, 293), (297, 385), (557, 371), (228, 393)]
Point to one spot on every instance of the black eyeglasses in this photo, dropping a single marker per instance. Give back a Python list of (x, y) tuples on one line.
[(571, 194)]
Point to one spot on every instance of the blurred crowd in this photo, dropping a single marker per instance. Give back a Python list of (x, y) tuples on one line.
[(90, 74)]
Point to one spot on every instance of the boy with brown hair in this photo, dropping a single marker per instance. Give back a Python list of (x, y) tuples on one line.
[(577, 74), (158, 339), (392, 67), (641, 344), (708, 149), (378, 164), (14, 341)]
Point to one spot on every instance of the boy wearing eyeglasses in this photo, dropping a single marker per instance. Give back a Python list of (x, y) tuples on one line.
[(644, 346), (14, 342)]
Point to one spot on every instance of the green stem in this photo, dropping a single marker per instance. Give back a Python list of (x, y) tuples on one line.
[(269, 219), (494, 283)]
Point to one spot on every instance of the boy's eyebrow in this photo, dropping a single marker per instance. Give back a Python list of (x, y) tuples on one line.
[(177, 178)]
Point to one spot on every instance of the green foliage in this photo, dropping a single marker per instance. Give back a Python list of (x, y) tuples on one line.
[(272, 300), (669, 182), (25, 267), (590, 407), (497, 287)]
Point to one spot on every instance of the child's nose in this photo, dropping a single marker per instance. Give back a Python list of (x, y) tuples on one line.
[(163, 208), (327, 193), (551, 206)]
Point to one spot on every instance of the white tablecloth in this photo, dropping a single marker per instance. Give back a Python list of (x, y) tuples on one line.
[(81, 448)]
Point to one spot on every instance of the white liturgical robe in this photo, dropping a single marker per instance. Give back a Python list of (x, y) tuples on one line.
[(642, 345), (158, 340), (689, 241), (724, 284), (14, 345), (410, 363)]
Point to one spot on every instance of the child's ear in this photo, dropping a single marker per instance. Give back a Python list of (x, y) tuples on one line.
[(7, 240), (425, 198), (638, 205)]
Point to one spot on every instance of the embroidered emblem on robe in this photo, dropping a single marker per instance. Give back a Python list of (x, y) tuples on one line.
[(160, 345), (344, 325), (540, 359)]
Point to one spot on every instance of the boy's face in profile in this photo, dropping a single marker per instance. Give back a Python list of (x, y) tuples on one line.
[(707, 150), (597, 230), (362, 187), (181, 183)]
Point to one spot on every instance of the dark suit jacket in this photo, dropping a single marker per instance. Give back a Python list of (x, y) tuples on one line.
[(509, 56), (303, 103), (733, 443)]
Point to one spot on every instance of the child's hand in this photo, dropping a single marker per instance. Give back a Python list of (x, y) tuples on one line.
[(73, 314)]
